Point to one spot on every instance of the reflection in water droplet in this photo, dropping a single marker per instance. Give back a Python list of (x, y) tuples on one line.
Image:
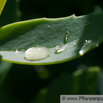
[(66, 36), (86, 41), (36, 53), (60, 48), (16, 51), (67, 32), (87, 24), (86, 46), (48, 26), (76, 43), (19, 51)]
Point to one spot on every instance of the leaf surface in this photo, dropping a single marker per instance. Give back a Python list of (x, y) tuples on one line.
[(85, 33)]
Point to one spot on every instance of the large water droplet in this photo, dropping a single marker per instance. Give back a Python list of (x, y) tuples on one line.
[(66, 36), (86, 24), (86, 46), (60, 48), (36, 53)]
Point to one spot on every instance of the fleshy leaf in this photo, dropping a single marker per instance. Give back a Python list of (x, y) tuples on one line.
[(85, 33)]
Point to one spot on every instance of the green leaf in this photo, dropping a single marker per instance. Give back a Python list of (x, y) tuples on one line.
[(85, 30), (4, 69), (80, 82)]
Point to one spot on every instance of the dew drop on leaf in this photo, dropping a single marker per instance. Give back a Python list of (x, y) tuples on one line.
[(19, 51), (75, 43), (22, 51), (67, 32), (86, 46), (66, 36), (48, 26), (86, 41), (16, 51), (60, 48), (36, 53)]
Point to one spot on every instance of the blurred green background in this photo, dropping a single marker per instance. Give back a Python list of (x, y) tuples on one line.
[(44, 84)]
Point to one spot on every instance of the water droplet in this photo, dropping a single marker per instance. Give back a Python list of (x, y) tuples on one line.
[(66, 36), (86, 46), (20, 51), (60, 48), (48, 26), (86, 41), (67, 32), (16, 51), (87, 24), (23, 51), (36, 53), (75, 43)]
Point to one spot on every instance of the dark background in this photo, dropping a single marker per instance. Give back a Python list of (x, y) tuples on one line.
[(57, 8)]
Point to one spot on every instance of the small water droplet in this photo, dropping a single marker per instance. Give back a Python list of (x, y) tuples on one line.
[(60, 48), (48, 26), (36, 53), (76, 43), (16, 51), (86, 41), (23, 51), (87, 24), (66, 36), (86, 46), (67, 32)]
